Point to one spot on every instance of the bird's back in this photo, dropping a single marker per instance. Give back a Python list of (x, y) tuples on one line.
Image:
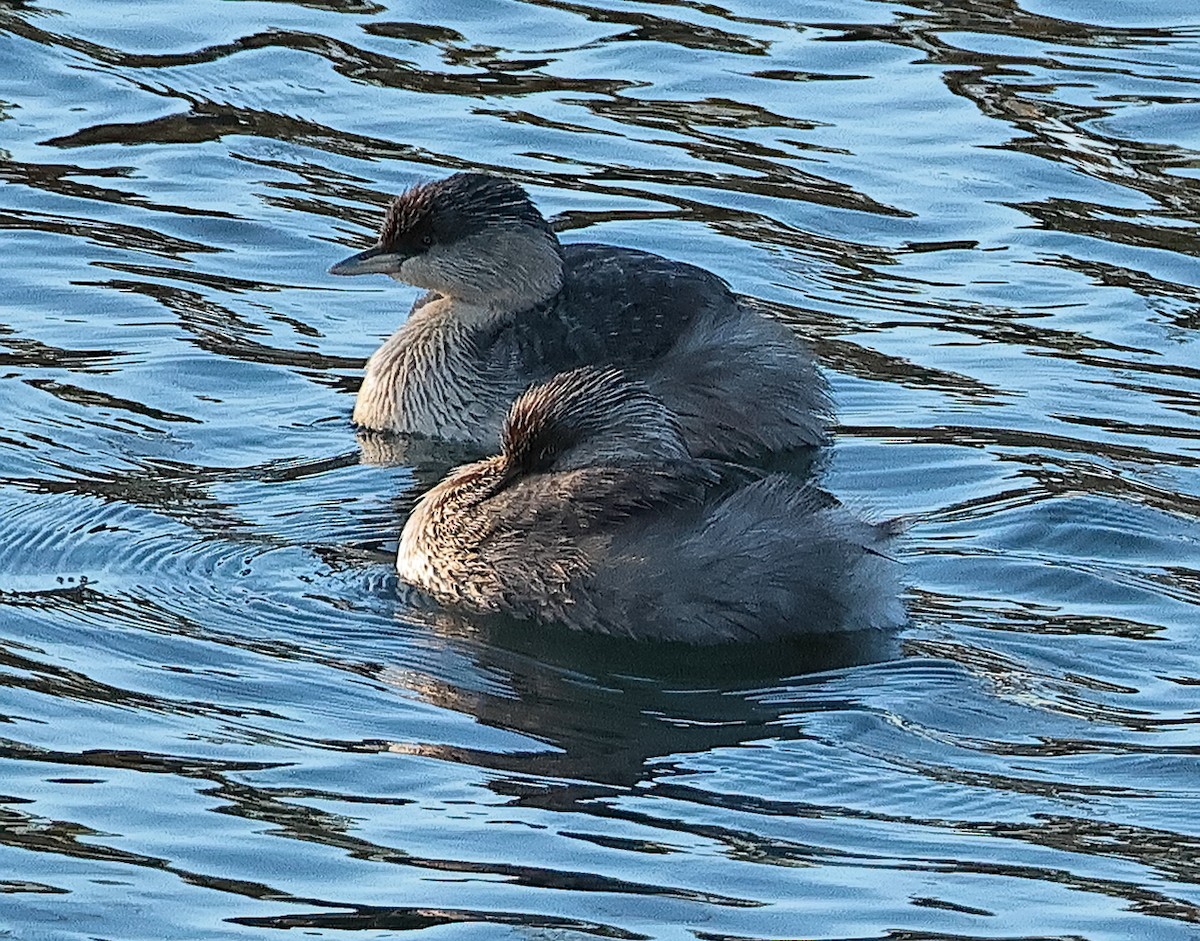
[(625, 307), (683, 552), (743, 386), (768, 560), (618, 306)]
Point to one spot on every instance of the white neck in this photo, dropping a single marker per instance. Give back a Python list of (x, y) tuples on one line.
[(428, 379)]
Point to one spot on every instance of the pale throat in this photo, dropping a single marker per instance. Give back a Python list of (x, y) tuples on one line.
[(427, 377)]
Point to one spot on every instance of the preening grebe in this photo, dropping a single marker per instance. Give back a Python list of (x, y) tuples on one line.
[(595, 515)]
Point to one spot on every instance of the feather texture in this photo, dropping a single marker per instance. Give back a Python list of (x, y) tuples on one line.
[(594, 516)]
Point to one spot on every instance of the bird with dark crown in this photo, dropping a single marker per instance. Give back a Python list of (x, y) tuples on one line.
[(508, 305), (595, 516)]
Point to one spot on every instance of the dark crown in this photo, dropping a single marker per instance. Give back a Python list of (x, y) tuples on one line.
[(458, 206), (573, 407)]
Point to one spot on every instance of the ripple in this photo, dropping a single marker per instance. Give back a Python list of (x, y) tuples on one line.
[(415, 919), (219, 707)]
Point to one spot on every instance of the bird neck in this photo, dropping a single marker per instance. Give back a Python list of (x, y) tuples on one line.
[(439, 543), (430, 378)]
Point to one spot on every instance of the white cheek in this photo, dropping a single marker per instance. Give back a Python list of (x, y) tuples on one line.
[(422, 271), (408, 270)]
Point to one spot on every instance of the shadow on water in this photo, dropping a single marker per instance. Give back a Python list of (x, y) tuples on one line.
[(607, 708)]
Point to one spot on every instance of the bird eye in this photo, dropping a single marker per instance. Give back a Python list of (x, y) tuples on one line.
[(426, 240)]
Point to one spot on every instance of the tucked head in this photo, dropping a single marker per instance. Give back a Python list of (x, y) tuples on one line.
[(586, 417), (470, 236)]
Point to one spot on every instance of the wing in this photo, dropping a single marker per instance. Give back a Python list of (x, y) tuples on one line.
[(618, 306), (624, 306)]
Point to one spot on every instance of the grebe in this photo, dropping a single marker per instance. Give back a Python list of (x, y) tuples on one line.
[(594, 515), (507, 305)]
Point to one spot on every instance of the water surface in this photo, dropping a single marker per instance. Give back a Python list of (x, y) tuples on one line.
[(219, 718)]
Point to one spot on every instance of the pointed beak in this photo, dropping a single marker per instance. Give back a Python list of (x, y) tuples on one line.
[(372, 261)]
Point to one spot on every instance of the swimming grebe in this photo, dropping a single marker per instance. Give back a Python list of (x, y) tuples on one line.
[(594, 515), (508, 306)]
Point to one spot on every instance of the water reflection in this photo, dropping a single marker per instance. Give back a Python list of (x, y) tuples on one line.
[(633, 703)]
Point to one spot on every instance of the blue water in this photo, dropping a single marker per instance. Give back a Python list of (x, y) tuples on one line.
[(218, 719)]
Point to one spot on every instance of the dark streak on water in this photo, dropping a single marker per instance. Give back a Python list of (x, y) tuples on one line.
[(219, 718)]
